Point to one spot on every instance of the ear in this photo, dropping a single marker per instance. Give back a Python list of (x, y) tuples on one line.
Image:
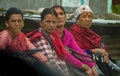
[(23, 24), (77, 20), (6, 24), (41, 23)]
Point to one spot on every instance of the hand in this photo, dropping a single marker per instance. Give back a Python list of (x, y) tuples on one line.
[(106, 58), (94, 70), (87, 70), (103, 52), (40, 56)]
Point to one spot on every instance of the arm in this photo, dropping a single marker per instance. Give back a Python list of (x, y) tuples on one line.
[(73, 45), (3, 40), (79, 65)]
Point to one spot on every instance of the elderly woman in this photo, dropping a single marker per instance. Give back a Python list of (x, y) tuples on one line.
[(84, 36), (87, 39)]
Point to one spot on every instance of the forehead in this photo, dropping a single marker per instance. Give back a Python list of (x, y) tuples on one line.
[(50, 17), (16, 16), (58, 9)]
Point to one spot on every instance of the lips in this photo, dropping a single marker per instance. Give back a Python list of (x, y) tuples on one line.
[(60, 21)]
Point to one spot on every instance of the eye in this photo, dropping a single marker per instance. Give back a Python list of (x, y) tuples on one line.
[(54, 22), (90, 16), (13, 21), (47, 21), (19, 20), (61, 13)]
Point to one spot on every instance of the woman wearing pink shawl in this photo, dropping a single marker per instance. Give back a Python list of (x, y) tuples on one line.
[(68, 41)]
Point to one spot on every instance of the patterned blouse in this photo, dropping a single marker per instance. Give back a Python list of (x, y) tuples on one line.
[(57, 64)]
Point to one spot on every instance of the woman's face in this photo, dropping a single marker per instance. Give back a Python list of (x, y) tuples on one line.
[(85, 19), (61, 16), (49, 23), (15, 23)]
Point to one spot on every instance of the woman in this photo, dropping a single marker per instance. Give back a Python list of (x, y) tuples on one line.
[(12, 39), (84, 36), (41, 39), (68, 40), (87, 39)]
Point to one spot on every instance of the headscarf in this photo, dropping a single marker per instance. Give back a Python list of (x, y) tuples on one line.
[(80, 10)]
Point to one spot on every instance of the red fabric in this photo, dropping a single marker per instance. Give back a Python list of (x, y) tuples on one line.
[(86, 38), (56, 41), (18, 44), (59, 47), (34, 34)]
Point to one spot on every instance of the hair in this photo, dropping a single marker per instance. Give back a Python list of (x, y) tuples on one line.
[(11, 11), (58, 6), (47, 11)]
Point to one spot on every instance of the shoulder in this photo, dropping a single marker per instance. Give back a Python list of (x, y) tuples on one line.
[(74, 25), (67, 32), (4, 39), (4, 33), (33, 35)]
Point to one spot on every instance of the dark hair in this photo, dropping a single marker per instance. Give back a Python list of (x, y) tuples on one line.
[(47, 11), (11, 11), (58, 6)]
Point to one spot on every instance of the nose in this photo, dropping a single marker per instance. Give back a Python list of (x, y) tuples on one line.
[(17, 23), (51, 24), (59, 16), (87, 18)]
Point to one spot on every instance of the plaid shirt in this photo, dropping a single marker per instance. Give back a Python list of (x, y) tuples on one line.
[(56, 63)]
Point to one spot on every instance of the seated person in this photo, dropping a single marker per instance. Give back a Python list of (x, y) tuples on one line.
[(69, 41), (87, 39), (47, 38), (12, 39)]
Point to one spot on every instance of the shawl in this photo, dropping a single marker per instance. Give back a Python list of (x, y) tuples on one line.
[(59, 47), (85, 37), (18, 43), (33, 35), (55, 40)]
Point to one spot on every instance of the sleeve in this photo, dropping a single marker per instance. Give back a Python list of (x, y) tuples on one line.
[(29, 44), (75, 46), (71, 60), (3, 40)]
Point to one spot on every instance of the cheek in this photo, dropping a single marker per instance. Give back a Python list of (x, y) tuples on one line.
[(45, 27), (22, 25)]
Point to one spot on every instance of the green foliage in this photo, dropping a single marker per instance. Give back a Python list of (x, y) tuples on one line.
[(116, 8)]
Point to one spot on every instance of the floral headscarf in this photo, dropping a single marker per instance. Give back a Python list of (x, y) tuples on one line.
[(81, 9)]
